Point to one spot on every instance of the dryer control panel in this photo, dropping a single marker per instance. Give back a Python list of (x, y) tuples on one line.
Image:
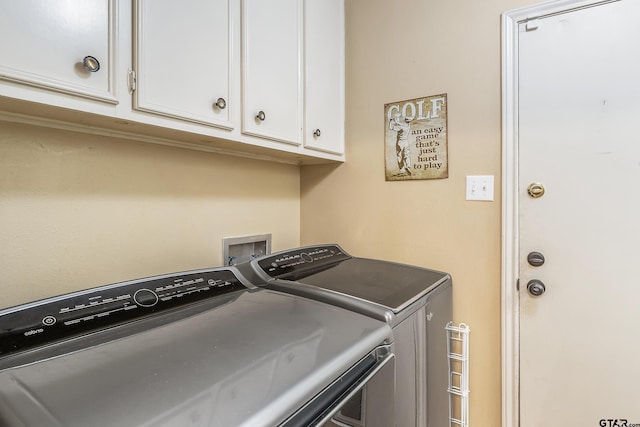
[(302, 259), (54, 319)]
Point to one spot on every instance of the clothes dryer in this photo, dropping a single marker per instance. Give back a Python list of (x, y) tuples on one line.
[(416, 302)]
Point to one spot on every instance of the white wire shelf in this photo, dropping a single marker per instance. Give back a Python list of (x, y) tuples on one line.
[(458, 356)]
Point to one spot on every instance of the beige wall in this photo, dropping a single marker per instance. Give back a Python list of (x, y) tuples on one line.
[(79, 210), (402, 50)]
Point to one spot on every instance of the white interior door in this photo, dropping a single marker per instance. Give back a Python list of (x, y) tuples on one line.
[(579, 112)]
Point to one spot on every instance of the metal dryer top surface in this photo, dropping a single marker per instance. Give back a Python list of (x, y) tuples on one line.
[(377, 288)]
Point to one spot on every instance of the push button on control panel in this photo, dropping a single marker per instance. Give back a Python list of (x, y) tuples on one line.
[(49, 320)]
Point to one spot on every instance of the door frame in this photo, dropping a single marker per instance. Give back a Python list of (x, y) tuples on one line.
[(510, 322)]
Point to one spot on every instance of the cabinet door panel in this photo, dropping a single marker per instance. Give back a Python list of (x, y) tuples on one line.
[(271, 32), (324, 75), (183, 57), (43, 43)]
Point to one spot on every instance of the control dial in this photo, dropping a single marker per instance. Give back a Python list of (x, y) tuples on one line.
[(145, 297)]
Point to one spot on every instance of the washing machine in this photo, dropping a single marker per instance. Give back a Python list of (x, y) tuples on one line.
[(415, 302), (196, 348)]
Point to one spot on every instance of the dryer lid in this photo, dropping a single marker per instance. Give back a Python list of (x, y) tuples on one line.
[(384, 283)]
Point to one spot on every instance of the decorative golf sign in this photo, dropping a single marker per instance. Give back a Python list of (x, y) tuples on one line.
[(416, 139)]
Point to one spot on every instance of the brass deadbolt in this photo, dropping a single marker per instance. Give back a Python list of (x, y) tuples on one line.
[(535, 190)]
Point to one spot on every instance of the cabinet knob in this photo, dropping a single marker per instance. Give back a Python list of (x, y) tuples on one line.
[(221, 103), (317, 133), (91, 64), (261, 116)]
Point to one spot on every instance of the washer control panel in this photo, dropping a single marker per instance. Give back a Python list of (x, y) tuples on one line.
[(79, 313), (302, 259)]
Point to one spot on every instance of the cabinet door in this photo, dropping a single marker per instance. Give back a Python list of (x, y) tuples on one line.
[(271, 65), (324, 75), (183, 54), (44, 43)]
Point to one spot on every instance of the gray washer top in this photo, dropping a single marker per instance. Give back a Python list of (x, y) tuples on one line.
[(251, 361)]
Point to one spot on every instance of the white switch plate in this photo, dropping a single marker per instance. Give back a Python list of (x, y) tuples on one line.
[(480, 187)]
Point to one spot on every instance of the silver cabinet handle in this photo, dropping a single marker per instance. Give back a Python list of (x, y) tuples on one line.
[(261, 116), (91, 64), (317, 133), (221, 103)]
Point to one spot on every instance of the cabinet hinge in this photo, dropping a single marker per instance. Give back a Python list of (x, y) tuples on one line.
[(131, 80), (518, 284), (532, 25)]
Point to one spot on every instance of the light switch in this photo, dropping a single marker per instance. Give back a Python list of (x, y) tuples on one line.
[(480, 187)]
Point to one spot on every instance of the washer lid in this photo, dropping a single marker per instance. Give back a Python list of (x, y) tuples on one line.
[(384, 283), (251, 361)]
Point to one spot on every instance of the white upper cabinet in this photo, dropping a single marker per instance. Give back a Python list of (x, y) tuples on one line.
[(324, 75), (271, 69), (262, 78), (182, 58), (66, 46)]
